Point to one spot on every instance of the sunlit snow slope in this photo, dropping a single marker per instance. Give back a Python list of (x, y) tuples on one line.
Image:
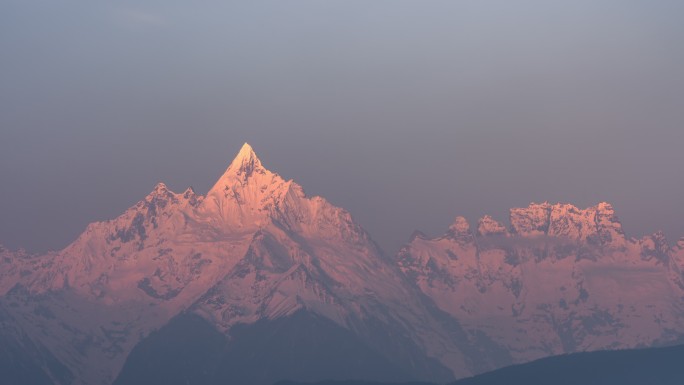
[(256, 255)]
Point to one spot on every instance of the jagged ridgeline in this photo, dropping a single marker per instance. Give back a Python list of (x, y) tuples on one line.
[(559, 280), (257, 282)]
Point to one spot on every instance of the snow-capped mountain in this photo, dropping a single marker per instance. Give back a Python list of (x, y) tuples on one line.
[(254, 248), (560, 280), (254, 278)]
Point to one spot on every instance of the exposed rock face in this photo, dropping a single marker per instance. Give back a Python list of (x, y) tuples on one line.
[(563, 280)]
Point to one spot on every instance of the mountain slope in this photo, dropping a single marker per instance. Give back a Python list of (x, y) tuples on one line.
[(24, 362), (254, 248), (560, 280), (302, 346), (654, 366)]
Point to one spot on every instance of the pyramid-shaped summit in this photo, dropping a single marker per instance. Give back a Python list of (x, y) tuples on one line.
[(246, 162), (245, 165), (253, 251), (247, 193)]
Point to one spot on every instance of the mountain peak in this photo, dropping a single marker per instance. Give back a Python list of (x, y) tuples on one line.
[(246, 152), (246, 162), (246, 192), (488, 226), (460, 229), (160, 186), (160, 190)]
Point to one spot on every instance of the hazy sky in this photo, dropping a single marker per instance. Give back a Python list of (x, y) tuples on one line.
[(405, 113)]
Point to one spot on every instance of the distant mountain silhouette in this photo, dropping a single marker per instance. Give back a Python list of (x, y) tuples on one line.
[(654, 366), (303, 346), (351, 383)]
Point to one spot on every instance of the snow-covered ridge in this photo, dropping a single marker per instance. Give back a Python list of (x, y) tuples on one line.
[(596, 225), (256, 247), (560, 280)]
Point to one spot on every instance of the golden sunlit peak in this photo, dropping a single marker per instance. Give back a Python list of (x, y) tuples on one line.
[(244, 164), (246, 157), (246, 150)]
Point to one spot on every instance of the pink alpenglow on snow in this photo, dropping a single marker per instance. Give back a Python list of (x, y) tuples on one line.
[(559, 279)]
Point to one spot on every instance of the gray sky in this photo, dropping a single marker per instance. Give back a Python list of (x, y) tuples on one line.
[(405, 113)]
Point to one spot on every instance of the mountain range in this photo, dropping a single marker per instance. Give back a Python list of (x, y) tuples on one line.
[(256, 282)]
